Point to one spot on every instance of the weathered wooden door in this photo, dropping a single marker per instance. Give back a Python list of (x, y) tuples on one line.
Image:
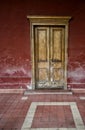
[(49, 44), (49, 47)]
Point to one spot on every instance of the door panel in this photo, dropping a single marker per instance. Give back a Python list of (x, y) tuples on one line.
[(49, 57), (43, 75), (56, 44), (57, 74), (42, 44), (42, 56), (57, 57)]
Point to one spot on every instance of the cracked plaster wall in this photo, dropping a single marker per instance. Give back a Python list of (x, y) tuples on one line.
[(15, 58)]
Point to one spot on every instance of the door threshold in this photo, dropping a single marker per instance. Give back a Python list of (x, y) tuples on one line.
[(33, 92)]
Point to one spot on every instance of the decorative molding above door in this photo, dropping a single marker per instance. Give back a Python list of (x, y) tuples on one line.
[(49, 43)]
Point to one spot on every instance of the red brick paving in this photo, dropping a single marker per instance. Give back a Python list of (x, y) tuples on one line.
[(53, 116), (13, 111)]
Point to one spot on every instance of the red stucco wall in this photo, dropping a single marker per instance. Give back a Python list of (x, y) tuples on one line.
[(15, 61)]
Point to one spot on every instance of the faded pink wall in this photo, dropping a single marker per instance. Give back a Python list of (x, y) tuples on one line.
[(15, 61)]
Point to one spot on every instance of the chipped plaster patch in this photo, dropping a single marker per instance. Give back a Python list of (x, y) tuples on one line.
[(77, 74), (24, 98), (82, 98)]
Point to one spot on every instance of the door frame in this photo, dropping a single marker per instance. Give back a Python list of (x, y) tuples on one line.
[(49, 21)]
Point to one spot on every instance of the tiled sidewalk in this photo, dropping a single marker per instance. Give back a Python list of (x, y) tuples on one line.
[(42, 112)]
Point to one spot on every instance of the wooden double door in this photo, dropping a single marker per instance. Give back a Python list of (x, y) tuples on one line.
[(49, 56)]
